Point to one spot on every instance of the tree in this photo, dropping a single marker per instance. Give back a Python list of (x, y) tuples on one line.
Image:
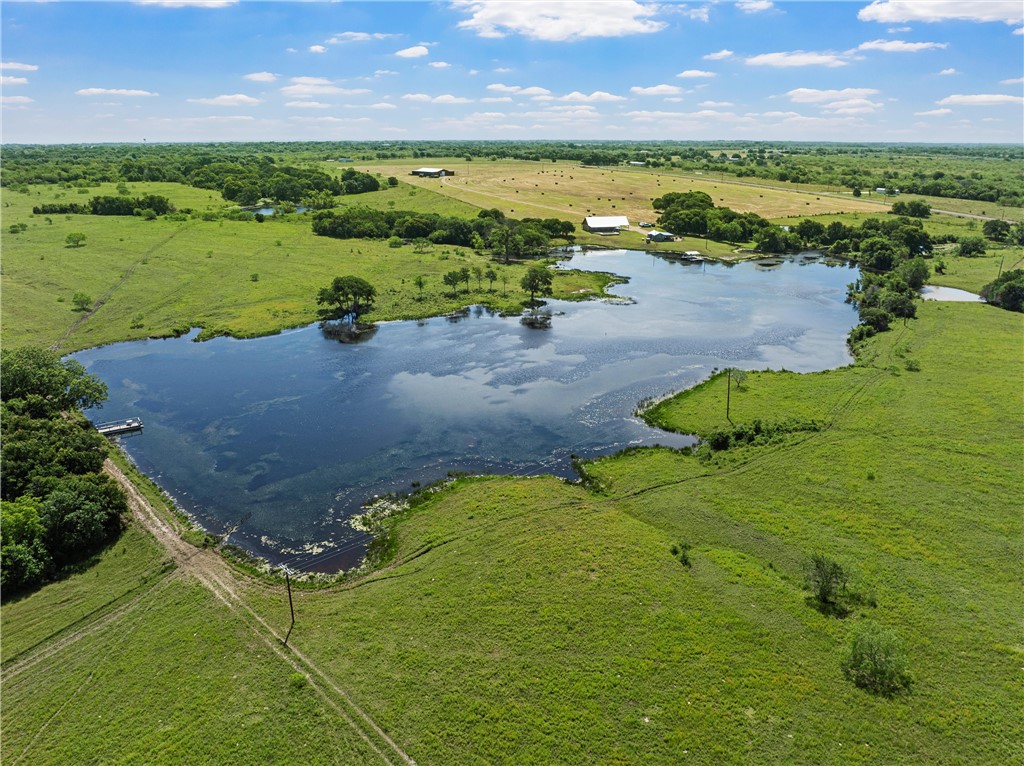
[(45, 383), (996, 230), (490, 276), (970, 246), (82, 301), (478, 274), (75, 239), (537, 279), (1007, 291), (420, 283), (824, 578), (350, 295), (464, 276), (453, 279), (877, 660)]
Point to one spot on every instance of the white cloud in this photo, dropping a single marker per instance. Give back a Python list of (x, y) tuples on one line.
[(816, 96), (898, 46), (260, 76), (725, 53), (317, 49), (188, 3), (414, 52), (656, 90), (981, 99), (797, 58), (416, 97), (113, 92), (703, 114), (947, 72), (934, 113), (383, 72), (755, 6), (439, 64), (17, 66), (533, 91), (1019, 31), (308, 105), (303, 87), (498, 100), (693, 73), (898, 30), (7, 79), (558, 21), (895, 11), (852, 106), (12, 100), (330, 119), (503, 70), (356, 37), (382, 105), (715, 104), (234, 99), (1014, 81), (448, 98), (577, 97), (473, 72)]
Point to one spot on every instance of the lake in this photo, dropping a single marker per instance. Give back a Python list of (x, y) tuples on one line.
[(285, 437)]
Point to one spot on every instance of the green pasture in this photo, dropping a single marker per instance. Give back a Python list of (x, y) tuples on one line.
[(171, 678), (242, 278)]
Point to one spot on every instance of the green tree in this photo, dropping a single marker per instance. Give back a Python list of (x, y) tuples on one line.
[(970, 246), (45, 384), (537, 279), (82, 301), (75, 239), (464, 276), (478, 274), (453, 279), (825, 578), (996, 230), (490, 276), (350, 296), (876, 660), (1007, 291), (420, 283)]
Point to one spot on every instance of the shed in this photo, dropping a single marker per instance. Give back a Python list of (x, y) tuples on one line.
[(659, 236), (432, 172), (605, 224)]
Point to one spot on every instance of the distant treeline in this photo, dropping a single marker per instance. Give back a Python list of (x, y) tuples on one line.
[(57, 506), (979, 172), (483, 231), (109, 205)]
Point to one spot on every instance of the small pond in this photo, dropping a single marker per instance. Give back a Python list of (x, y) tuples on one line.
[(267, 211), (284, 437), (949, 294)]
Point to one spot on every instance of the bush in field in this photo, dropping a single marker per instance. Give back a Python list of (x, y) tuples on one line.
[(876, 660), (826, 579)]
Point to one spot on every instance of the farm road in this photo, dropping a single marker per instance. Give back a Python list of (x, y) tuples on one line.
[(212, 571)]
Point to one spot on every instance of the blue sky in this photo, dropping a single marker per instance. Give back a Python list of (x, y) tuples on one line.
[(187, 70)]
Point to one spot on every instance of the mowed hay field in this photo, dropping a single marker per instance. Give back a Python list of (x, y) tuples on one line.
[(566, 190)]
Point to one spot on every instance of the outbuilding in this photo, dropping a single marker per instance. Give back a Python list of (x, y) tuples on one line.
[(659, 236), (432, 172), (605, 224)]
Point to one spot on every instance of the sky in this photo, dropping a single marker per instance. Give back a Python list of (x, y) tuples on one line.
[(237, 70)]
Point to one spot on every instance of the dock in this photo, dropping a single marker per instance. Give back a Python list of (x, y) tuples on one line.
[(116, 427)]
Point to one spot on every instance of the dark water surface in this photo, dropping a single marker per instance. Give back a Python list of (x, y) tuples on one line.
[(286, 436)]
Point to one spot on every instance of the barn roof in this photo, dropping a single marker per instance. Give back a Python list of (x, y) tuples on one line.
[(606, 221)]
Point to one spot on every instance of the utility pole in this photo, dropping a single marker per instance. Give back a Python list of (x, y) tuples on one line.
[(291, 607), (728, 391)]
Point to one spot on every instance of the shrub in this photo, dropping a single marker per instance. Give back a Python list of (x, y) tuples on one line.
[(682, 552), (825, 578), (876, 660)]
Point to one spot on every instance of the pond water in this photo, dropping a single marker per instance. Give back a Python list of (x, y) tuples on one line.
[(938, 293), (285, 437), (267, 211)]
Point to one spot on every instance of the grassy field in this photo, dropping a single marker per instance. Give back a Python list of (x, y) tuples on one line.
[(154, 278)]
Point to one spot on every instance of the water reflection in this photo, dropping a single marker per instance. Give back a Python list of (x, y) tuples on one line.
[(292, 433)]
